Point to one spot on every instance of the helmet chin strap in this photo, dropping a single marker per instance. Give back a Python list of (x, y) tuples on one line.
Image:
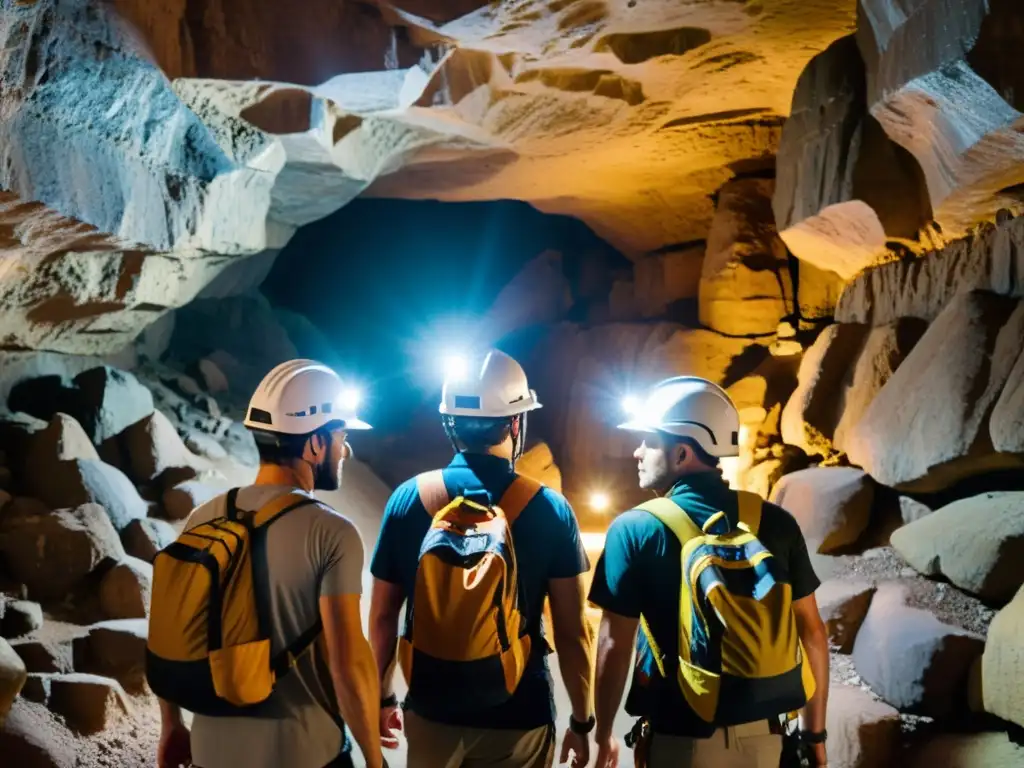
[(518, 433)]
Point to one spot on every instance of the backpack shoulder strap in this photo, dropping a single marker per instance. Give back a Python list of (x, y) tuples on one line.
[(518, 496), (673, 516), (749, 510), (277, 508), (432, 491)]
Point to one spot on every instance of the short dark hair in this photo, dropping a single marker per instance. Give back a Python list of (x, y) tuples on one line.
[(477, 434), (278, 448), (702, 456)]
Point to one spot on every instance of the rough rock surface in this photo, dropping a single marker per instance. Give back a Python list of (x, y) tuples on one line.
[(82, 481), (925, 429), (179, 501), (52, 552), (831, 504), (745, 285), (12, 677), (843, 604), (31, 738), (44, 656), (156, 452), (19, 617), (911, 659), (125, 589), (912, 509), (976, 543), (979, 750), (88, 703), (115, 649), (144, 538), (862, 731), (1003, 663)]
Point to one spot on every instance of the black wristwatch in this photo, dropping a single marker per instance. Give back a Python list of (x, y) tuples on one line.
[(389, 701), (582, 728), (810, 737)]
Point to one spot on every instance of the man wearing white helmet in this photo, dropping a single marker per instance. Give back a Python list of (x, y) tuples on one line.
[(687, 425), (299, 415), (484, 413)]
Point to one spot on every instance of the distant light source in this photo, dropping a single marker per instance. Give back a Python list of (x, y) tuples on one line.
[(631, 404), (456, 368), (350, 399), (600, 501)]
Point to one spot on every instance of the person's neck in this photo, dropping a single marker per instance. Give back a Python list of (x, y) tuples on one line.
[(277, 474), (689, 476)]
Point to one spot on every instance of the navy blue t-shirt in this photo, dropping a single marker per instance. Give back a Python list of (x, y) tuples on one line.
[(548, 545), (639, 571)]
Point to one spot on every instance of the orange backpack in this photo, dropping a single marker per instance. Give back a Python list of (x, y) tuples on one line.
[(465, 644)]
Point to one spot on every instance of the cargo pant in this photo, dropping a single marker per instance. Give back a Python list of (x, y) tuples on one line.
[(433, 745), (752, 745)]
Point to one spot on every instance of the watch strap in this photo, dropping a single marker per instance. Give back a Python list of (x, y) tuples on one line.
[(582, 728), (812, 737)]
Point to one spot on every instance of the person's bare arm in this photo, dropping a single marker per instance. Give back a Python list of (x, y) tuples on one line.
[(814, 637), (574, 642), (354, 673), (385, 607), (615, 645)]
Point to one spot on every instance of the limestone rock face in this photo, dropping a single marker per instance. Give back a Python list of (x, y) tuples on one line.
[(52, 552), (976, 543), (745, 286), (1003, 663), (911, 659), (831, 504), (926, 427), (862, 731)]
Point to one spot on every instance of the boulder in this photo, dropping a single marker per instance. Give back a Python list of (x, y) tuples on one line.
[(144, 538), (20, 617), (156, 453), (926, 429), (12, 678), (831, 504), (32, 738), (213, 377), (539, 464), (104, 400), (1002, 665), (126, 588), (976, 543), (745, 285), (974, 750), (62, 440), (1006, 424), (180, 500), (51, 553), (88, 703), (37, 688), (810, 416), (862, 731), (911, 659), (83, 481), (203, 445), (115, 649), (45, 657), (843, 604), (912, 509)]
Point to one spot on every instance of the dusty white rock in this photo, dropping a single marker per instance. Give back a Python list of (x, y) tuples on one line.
[(115, 649), (976, 543), (144, 538), (925, 429), (157, 453), (843, 604), (912, 509), (83, 481), (54, 551), (180, 500), (911, 659), (831, 504), (1003, 663), (862, 731)]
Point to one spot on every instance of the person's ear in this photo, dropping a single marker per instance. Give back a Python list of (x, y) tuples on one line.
[(680, 454)]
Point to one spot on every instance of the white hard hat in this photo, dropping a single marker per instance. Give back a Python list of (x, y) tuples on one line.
[(499, 388), (688, 406), (301, 396)]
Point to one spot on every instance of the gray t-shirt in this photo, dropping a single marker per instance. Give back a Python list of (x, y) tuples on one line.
[(311, 551)]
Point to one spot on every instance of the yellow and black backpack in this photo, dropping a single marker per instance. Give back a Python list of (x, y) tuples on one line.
[(465, 643), (209, 648), (740, 656)]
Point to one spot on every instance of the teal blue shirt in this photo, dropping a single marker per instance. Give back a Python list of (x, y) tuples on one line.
[(639, 572), (548, 546)]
